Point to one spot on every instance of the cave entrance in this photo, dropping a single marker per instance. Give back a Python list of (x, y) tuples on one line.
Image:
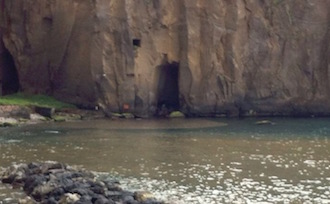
[(168, 88), (9, 82)]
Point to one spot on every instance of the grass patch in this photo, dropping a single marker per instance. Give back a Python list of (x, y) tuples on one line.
[(176, 114), (277, 2), (21, 99)]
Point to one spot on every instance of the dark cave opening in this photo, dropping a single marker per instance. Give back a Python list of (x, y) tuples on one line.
[(168, 88), (136, 42), (9, 77)]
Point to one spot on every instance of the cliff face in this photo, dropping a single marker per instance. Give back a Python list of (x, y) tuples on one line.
[(202, 57)]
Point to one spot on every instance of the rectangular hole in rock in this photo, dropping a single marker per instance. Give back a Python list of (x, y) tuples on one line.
[(136, 42)]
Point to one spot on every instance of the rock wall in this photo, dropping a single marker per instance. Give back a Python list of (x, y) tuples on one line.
[(232, 56)]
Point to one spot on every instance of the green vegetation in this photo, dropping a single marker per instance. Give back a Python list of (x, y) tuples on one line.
[(277, 2), (176, 114), (59, 118), (33, 100)]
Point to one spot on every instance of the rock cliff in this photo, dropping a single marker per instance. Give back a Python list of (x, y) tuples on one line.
[(202, 57)]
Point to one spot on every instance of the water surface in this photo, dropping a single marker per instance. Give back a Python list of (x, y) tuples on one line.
[(188, 160)]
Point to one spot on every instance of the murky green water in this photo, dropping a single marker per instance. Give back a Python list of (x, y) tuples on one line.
[(189, 161)]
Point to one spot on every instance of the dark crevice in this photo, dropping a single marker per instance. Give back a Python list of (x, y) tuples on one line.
[(9, 77), (168, 88), (136, 42)]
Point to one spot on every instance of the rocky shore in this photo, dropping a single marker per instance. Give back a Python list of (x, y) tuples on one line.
[(13, 115), (56, 183)]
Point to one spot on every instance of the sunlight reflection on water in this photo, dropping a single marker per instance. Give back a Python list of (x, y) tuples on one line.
[(193, 161)]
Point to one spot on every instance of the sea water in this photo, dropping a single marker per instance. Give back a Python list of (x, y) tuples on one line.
[(187, 160)]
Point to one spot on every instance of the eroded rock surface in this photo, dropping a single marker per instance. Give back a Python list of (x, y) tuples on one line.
[(202, 57)]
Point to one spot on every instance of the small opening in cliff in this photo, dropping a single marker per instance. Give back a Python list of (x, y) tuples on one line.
[(168, 88), (9, 82), (136, 42)]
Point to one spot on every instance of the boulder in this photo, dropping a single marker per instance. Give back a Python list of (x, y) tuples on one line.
[(37, 117), (27, 200), (144, 197), (69, 198), (8, 122), (45, 111)]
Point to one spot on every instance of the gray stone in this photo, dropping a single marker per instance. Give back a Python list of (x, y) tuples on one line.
[(8, 122), (37, 117), (27, 200), (53, 182)]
